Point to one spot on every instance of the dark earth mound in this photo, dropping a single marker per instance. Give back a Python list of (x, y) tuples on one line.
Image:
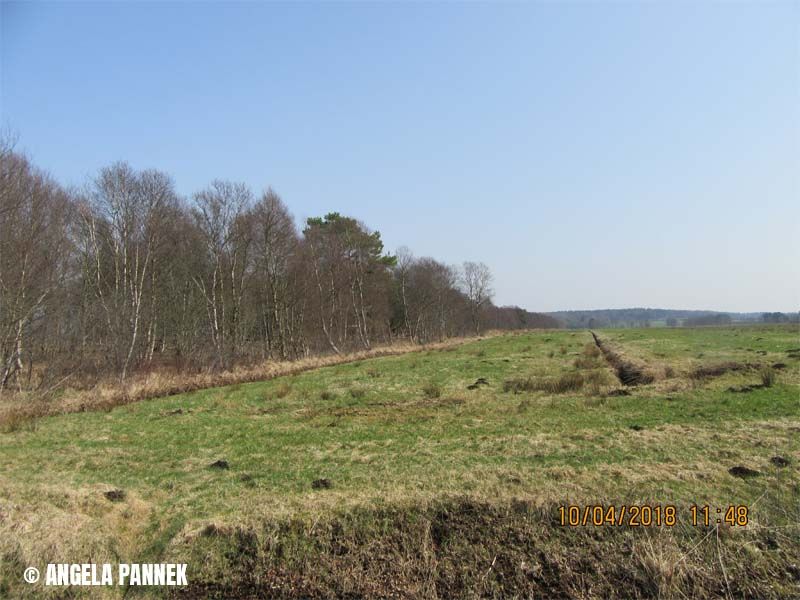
[(743, 472), (115, 495)]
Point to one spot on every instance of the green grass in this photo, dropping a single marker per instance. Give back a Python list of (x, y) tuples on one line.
[(745, 343), (377, 433)]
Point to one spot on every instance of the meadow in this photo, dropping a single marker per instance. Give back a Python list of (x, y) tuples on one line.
[(435, 474)]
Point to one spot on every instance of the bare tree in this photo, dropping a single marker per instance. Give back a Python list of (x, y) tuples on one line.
[(33, 250), (276, 242), (220, 215), (402, 271), (123, 224), (433, 302), (476, 281)]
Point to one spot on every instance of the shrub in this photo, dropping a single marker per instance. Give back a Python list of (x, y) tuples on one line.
[(283, 390), (596, 380), (717, 369), (18, 421), (595, 388), (519, 385), (591, 350), (768, 376), (586, 362), (595, 401), (432, 390), (566, 383), (597, 376)]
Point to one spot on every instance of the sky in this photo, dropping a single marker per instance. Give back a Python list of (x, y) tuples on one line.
[(594, 155)]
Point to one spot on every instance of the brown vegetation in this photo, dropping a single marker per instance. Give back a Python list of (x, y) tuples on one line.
[(432, 390), (768, 376), (718, 369), (20, 410), (568, 382)]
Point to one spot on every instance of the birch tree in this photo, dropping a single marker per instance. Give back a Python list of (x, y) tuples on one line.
[(275, 245), (123, 225), (34, 248), (220, 215), (477, 280)]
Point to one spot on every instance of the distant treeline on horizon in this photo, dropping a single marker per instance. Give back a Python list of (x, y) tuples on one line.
[(652, 317)]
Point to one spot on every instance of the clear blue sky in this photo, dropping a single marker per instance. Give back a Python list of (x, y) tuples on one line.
[(593, 155)]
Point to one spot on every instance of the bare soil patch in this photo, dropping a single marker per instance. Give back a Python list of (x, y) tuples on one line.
[(780, 461), (743, 472), (115, 495)]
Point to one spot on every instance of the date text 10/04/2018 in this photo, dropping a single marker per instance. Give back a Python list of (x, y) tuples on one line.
[(643, 515)]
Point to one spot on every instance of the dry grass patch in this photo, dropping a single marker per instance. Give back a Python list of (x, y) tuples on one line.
[(283, 390), (768, 376), (17, 410), (357, 393), (432, 390), (569, 382)]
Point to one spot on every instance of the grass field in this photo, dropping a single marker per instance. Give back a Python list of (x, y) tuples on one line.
[(391, 476)]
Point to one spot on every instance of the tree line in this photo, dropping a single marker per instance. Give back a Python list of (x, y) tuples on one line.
[(779, 317), (126, 275)]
